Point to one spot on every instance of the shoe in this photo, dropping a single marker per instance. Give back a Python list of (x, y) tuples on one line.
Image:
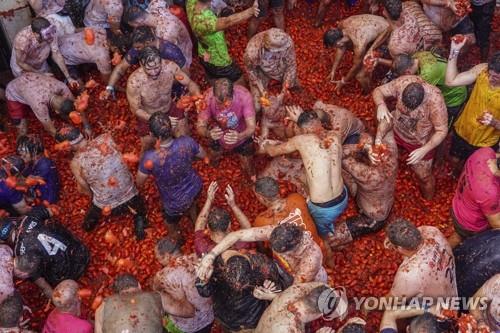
[(140, 223), (89, 224)]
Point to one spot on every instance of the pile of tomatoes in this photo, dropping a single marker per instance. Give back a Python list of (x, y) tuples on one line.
[(364, 268)]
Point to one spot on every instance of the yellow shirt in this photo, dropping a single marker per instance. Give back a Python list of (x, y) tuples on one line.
[(483, 98)]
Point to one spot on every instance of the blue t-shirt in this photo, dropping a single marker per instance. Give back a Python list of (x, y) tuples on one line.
[(177, 181), (46, 169), (388, 330), (9, 196), (168, 51)]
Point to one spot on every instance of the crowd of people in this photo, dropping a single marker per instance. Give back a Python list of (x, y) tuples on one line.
[(268, 276)]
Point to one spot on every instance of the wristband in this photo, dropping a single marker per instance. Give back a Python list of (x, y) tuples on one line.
[(453, 54), (110, 88)]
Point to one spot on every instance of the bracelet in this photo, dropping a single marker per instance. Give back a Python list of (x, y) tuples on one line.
[(453, 54), (110, 88)]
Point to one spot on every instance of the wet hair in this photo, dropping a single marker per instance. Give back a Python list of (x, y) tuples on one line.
[(330, 37), (311, 300), (401, 63), (67, 106), (142, 34), (133, 13), (267, 187), (31, 144), (494, 62), (39, 23), (65, 294), (167, 245), (28, 263), (306, 117), (160, 126), (285, 237), (124, 281), (67, 133), (394, 8), (238, 272), (224, 80), (413, 95), (354, 328), (11, 310), (218, 219), (424, 323), (12, 164), (149, 54), (404, 234)]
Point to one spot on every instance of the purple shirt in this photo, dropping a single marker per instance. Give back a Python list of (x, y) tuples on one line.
[(177, 181), (59, 322), (46, 169), (9, 196), (231, 117)]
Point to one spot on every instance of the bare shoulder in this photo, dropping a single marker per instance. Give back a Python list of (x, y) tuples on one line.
[(478, 68), (136, 78)]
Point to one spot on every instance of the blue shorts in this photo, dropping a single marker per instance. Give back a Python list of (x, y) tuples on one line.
[(325, 214)]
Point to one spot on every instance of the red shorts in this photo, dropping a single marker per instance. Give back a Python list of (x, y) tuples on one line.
[(17, 111), (411, 147), (143, 127)]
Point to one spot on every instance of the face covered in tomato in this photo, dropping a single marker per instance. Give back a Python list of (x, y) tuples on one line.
[(223, 91), (48, 33)]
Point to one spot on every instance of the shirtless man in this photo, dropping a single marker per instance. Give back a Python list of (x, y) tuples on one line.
[(420, 123), (76, 51), (270, 55), (32, 47), (298, 305), (105, 14), (149, 91), (428, 267), (66, 315), (321, 154), (100, 173), (186, 309), (130, 309), (39, 93), (371, 183), (363, 33), (333, 118), (489, 317), (166, 26), (11, 310), (443, 14), (294, 249)]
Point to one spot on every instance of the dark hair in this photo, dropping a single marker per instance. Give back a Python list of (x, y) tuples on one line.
[(267, 187), (238, 272), (354, 328), (330, 37), (67, 106), (148, 54), (218, 219), (11, 310), (311, 300), (143, 34), (285, 237), (394, 8), (67, 133), (160, 126), (424, 323), (38, 24), (494, 62), (306, 117), (12, 164), (413, 95), (167, 245), (132, 13), (31, 144), (222, 80), (401, 63), (124, 281), (404, 233), (28, 263)]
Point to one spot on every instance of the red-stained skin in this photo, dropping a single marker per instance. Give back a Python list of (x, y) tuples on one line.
[(364, 267)]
